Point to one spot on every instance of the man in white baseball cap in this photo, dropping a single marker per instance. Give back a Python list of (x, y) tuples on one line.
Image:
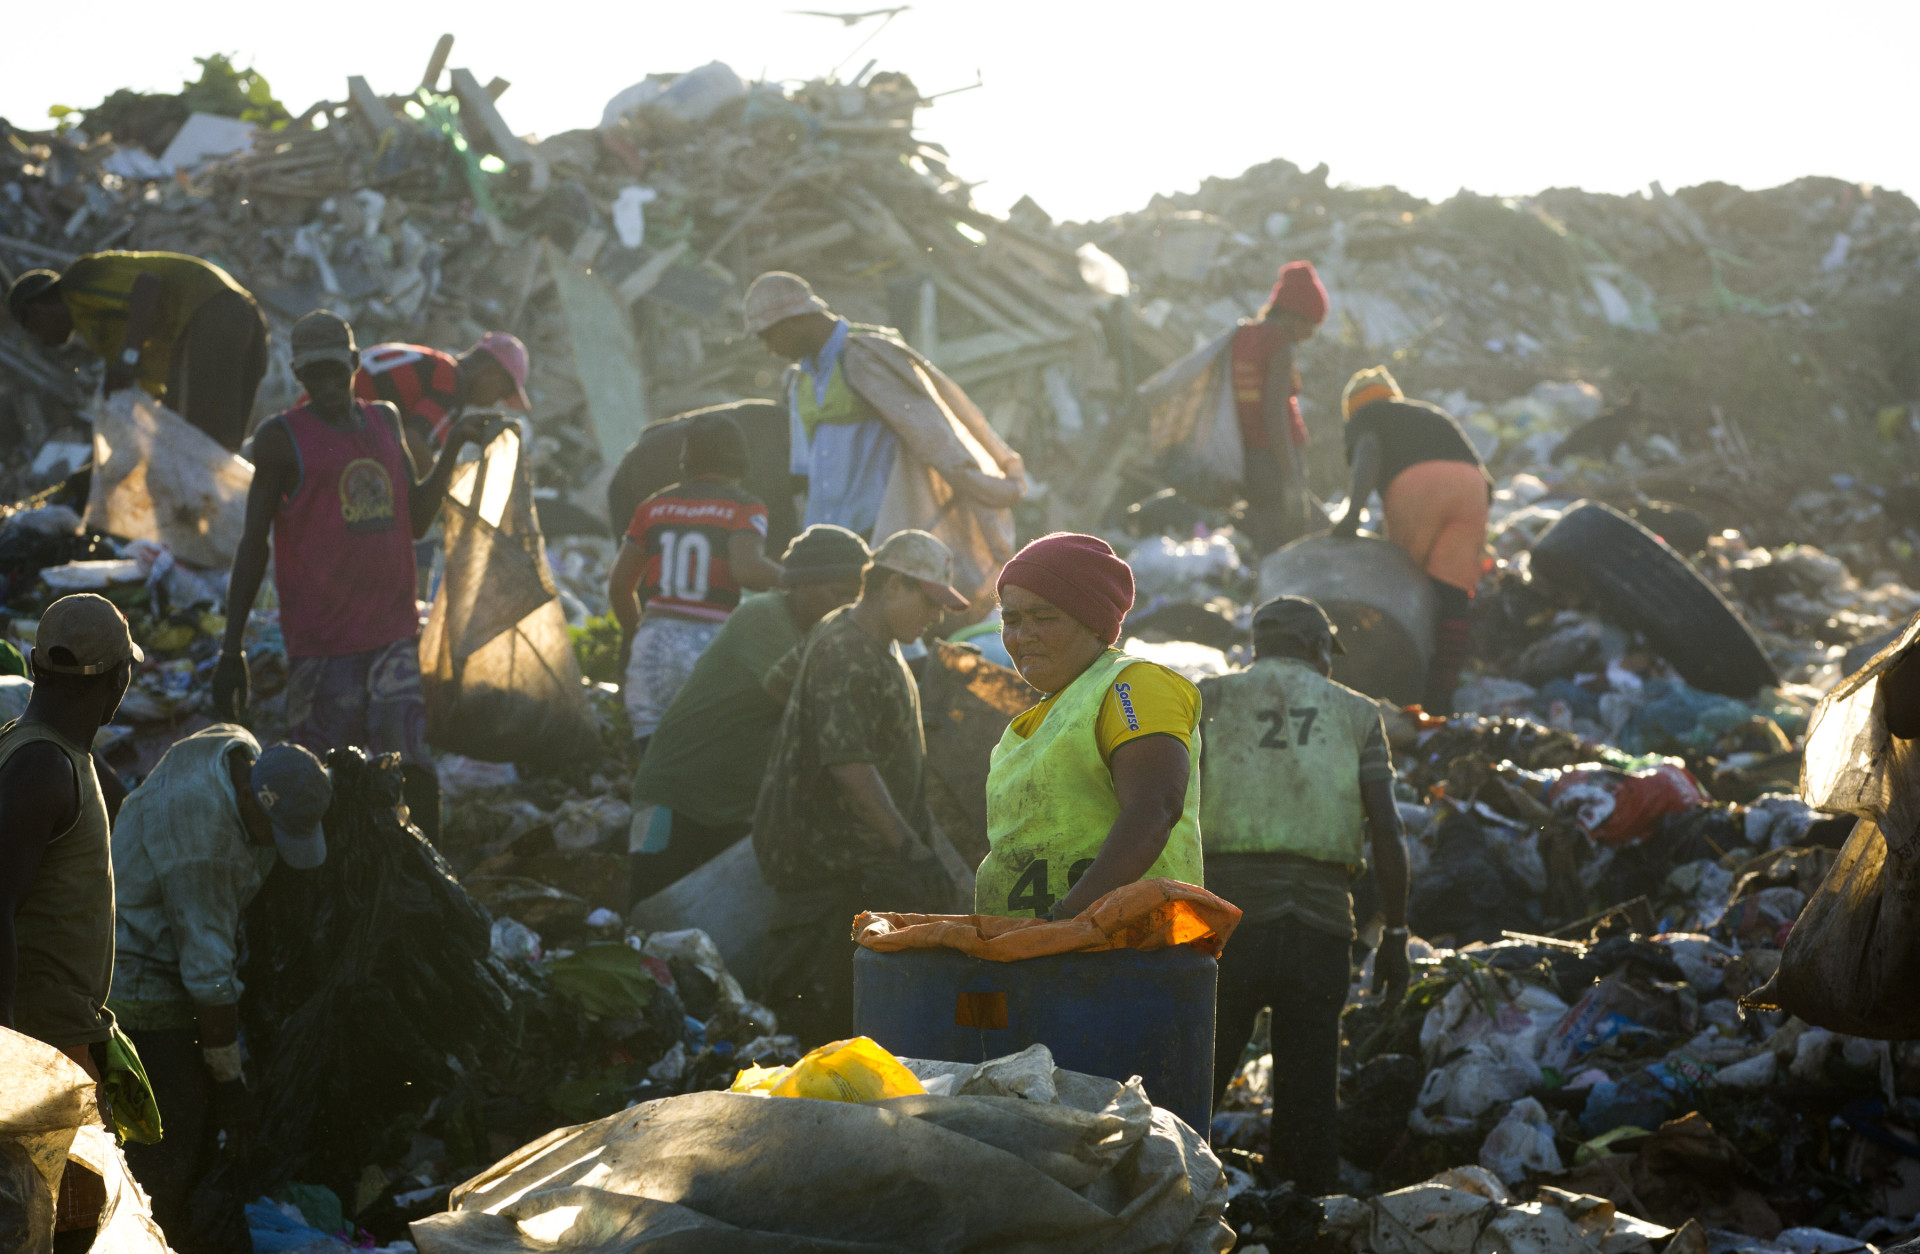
[(842, 825), (884, 440)]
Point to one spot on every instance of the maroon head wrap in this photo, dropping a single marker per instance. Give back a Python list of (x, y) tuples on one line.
[(1080, 574)]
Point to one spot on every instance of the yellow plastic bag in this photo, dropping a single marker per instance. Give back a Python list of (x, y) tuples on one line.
[(856, 1070)]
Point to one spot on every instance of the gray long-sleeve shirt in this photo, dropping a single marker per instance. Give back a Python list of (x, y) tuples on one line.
[(185, 873)]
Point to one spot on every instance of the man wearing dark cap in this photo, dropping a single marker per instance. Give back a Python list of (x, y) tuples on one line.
[(56, 868), (694, 793), (335, 493), (842, 823), (1295, 777), (56, 871), (177, 326), (689, 550), (190, 850)]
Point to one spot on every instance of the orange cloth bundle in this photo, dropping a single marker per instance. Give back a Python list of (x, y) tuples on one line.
[(1149, 914)]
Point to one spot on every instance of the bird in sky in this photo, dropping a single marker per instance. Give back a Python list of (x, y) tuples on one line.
[(851, 19)]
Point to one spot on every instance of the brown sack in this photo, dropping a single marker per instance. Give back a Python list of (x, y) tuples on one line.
[(1853, 958), (496, 662)]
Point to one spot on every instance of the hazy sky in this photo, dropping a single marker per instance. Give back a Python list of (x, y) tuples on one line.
[(1091, 108)]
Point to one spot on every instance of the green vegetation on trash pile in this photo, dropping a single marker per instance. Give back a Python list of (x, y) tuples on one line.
[(150, 119), (597, 645), (610, 980)]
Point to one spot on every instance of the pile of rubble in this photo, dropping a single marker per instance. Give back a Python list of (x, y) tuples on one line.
[(1718, 321), (618, 252)]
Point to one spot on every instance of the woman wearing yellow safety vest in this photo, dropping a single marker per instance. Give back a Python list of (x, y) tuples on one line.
[(1094, 787)]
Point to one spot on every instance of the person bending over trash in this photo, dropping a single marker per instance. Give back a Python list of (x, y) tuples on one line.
[(191, 848), (1094, 787), (842, 823), (694, 791), (1436, 492), (689, 550), (884, 440), (1295, 772), (179, 327), (431, 389), (334, 490)]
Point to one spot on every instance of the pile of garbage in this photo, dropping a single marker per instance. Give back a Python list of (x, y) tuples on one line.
[(893, 1153), (400, 1052), (1621, 1067), (1721, 322), (619, 251)]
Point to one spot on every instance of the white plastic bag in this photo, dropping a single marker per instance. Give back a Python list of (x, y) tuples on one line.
[(1521, 1142)]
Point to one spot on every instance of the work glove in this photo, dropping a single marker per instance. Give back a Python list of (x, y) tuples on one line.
[(230, 685), (1390, 965), (233, 1114)]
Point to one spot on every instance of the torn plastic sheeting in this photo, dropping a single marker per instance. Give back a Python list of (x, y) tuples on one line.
[(1098, 1170), (48, 1109), (1467, 1211), (158, 477), (1145, 915), (1849, 960)]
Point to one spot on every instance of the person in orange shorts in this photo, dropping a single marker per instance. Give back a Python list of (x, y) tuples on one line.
[(1436, 491)]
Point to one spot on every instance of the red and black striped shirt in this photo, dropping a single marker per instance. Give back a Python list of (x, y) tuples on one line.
[(421, 383)]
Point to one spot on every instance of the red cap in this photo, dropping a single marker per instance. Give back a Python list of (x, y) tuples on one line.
[(1080, 574), (1300, 291), (512, 356)]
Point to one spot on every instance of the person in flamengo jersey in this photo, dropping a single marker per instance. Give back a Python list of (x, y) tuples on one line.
[(691, 548), (335, 491), (431, 388)]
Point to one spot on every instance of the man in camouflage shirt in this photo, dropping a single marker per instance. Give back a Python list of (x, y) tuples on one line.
[(842, 821)]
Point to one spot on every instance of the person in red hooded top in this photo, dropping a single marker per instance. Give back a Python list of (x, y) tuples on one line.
[(1266, 396)]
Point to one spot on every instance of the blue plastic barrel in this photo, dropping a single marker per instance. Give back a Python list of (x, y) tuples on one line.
[(1118, 1013)]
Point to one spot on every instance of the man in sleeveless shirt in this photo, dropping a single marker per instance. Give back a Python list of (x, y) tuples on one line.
[(56, 866), (335, 494), (1294, 776)]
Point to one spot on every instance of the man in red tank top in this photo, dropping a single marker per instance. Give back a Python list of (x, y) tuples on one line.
[(335, 495)]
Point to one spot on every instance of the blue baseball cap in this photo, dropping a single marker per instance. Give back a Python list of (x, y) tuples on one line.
[(294, 788)]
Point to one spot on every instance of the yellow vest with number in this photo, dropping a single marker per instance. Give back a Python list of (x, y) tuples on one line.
[(1051, 801), (1282, 762)]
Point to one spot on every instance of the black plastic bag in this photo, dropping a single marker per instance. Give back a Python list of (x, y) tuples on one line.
[(368, 980)]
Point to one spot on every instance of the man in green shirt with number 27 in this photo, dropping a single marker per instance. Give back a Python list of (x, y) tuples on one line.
[(1295, 777)]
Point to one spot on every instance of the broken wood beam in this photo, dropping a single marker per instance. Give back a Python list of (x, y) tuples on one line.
[(437, 63), (481, 120)]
